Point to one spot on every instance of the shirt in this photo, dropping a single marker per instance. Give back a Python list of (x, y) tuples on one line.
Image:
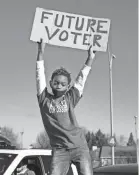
[(58, 116)]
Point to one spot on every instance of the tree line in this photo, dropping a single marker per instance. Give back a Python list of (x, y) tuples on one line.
[(9, 134), (98, 139), (42, 141)]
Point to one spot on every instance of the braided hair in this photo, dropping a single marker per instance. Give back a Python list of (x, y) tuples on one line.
[(62, 71)]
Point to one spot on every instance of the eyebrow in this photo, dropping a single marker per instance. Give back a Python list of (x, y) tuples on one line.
[(60, 82)]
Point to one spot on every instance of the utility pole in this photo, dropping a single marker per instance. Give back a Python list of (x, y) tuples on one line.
[(137, 137), (21, 134), (111, 57)]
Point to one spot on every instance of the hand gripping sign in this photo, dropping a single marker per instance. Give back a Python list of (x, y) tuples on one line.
[(70, 30)]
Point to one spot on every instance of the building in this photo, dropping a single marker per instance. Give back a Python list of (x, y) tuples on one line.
[(123, 154)]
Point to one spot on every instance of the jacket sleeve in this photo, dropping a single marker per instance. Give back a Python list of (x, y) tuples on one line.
[(76, 91), (40, 77), (81, 79)]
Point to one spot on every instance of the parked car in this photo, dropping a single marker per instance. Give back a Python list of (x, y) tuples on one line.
[(119, 169), (38, 161)]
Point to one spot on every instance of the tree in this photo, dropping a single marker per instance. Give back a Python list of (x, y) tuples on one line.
[(101, 139), (10, 135), (131, 141), (42, 141), (91, 139)]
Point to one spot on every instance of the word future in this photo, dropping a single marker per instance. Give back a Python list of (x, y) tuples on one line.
[(70, 30)]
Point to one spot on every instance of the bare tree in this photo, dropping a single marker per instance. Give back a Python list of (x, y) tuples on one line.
[(10, 135), (42, 141)]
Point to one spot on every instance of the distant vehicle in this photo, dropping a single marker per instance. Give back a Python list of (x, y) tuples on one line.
[(38, 160), (4, 145), (4, 139), (119, 169)]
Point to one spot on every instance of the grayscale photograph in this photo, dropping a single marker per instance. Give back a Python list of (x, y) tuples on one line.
[(69, 87)]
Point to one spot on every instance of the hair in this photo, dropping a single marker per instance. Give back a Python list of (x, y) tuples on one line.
[(62, 71)]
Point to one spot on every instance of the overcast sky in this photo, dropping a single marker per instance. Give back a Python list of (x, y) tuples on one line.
[(19, 107)]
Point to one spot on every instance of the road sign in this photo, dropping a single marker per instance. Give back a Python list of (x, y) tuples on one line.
[(112, 141)]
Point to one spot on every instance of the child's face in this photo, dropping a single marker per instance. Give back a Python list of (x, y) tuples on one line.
[(59, 83)]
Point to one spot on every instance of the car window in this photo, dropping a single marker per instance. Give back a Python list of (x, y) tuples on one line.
[(5, 161), (47, 162), (31, 164)]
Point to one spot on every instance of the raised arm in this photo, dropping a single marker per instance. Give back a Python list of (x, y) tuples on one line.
[(40, 71), (82, 76)]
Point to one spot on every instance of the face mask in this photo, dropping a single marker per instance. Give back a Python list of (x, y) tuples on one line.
[(58, 93)]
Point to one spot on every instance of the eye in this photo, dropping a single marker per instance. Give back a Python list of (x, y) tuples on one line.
[(55, 83), (64, 84)]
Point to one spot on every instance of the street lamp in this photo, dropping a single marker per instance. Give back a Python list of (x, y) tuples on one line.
[(111, 57)]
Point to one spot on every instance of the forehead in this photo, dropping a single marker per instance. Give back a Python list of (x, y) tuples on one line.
[(60, 78)]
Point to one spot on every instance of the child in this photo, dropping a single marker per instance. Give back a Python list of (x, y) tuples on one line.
[(66, 137)]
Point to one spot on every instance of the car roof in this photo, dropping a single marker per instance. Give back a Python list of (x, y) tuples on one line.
[(27, 152), (121, 168)]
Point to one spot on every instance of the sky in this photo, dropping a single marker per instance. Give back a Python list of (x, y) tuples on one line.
[(19, 107)]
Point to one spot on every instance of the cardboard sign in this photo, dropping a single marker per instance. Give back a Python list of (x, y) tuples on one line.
[(70, 30)]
